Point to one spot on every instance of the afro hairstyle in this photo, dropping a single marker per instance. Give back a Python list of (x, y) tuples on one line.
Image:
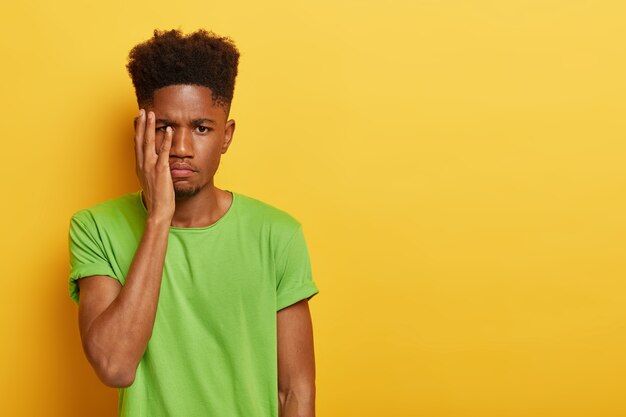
[(199, 58)]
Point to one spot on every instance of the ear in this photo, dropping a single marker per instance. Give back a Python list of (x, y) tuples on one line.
[(229, 130)]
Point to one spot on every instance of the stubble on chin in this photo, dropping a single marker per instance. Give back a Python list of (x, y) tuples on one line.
[(186, 192)]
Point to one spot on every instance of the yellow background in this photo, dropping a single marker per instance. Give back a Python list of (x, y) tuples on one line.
[(458, 167)]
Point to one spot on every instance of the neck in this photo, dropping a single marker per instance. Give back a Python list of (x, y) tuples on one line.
[(203, 209)]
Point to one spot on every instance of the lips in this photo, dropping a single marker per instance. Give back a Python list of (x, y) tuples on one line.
[(180, 170), (180, 173)]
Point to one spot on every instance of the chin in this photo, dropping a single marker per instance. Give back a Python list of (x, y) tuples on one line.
[(186, 192)]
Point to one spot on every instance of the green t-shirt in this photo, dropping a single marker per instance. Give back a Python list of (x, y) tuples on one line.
[(213, 348)]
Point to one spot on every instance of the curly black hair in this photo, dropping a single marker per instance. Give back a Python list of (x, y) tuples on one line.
[(199, 58)]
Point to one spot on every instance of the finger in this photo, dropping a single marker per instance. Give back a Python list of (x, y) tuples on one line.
[(139, 130), (166, 145), (148, 139)]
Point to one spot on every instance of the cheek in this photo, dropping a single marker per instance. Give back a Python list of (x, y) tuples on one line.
[(208, 146), (158, 141)]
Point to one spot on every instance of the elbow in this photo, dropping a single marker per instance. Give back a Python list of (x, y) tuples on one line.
[(112, 373), (117, 379), (112, 364)]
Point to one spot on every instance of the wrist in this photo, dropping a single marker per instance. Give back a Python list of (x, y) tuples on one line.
[(155, 221)]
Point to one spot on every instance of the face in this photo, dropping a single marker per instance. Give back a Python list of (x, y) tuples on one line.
[(201, 134)]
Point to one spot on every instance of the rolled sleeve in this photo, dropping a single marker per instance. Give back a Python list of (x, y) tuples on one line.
[(295, 280), (87, 256)]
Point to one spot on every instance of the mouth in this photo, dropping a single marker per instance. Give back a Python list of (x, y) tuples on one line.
[(181, 173)]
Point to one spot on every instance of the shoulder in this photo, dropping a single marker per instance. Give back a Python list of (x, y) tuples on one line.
[(268, 216), (108, 210)]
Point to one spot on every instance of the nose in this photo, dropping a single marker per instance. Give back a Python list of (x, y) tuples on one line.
[(182, 143)]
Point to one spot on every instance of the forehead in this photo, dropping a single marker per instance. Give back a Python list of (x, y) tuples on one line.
[(183, 101)]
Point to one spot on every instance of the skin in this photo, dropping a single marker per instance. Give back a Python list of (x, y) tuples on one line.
[(115, 345), (198, 203), (296, 361)]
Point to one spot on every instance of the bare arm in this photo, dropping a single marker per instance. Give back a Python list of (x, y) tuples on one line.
[(116, 321), (296, 361)]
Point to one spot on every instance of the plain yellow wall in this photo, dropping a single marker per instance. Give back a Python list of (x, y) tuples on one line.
[(458, 167)]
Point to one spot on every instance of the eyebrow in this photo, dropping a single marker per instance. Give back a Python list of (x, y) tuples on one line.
[(193, 122)]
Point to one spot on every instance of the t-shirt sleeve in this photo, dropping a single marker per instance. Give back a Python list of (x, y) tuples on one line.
[(294, 281), (87, 255)]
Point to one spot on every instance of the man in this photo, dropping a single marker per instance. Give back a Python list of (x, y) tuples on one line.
[(193, 300)]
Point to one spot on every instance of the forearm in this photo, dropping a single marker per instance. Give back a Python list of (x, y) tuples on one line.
[(117, 339), (298, 402)]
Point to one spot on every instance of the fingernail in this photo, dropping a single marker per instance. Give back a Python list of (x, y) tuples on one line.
[(140, 112)]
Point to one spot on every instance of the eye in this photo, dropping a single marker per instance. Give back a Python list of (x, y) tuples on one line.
[(162, 128), (206, 129)]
